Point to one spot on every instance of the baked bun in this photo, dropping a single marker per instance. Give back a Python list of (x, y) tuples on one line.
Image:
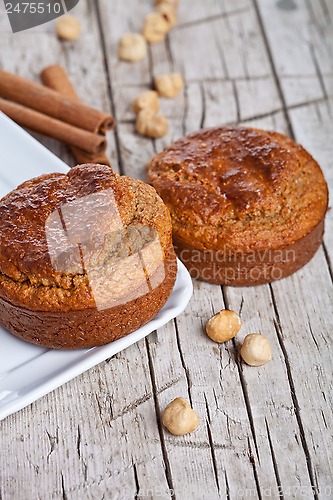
[(247, 206), (85, 258)]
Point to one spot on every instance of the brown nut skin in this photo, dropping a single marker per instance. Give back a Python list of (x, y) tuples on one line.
[(179, 418), (169, 13), (155, 27), (169, 85), (132, 47), (256, 350), (147, 99), (223, 326), (68, 28), (150, 124)]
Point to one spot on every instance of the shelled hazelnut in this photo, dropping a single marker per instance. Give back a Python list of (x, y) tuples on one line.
[(132, 47), (169, 13), (155, 27), (223, 326), (169, 85), (146, 100), (150, 124), (68, 28), (179, 418), (256, 350)]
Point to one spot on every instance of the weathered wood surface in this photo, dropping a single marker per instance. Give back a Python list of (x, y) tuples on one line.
[(265, 432)]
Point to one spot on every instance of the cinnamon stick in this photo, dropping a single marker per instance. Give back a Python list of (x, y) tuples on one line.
[(73, 136), (82, 157), (55, 77), (52, 103)]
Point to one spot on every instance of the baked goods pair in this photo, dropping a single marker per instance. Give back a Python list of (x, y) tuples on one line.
[(87, 257)]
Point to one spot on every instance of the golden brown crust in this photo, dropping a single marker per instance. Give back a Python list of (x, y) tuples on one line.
[(24, 212), (238, 190), (133, 243)]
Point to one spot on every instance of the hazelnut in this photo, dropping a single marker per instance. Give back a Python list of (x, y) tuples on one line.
[(169, 85), (156, 27), (223, 326), (150, 124), (68, 28), (179, 418), (132, 47), (147, 99), (169, 13), (256, 350)]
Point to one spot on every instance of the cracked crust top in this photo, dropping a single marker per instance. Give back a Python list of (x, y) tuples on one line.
[(28, 276), (239, 188)]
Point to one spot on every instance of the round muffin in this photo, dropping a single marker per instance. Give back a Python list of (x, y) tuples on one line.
[(247, 206), (85, 258)]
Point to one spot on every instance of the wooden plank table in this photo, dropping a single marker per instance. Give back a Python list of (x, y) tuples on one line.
[(267, 432)]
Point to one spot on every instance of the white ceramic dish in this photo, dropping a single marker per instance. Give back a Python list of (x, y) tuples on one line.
[(28, 372)]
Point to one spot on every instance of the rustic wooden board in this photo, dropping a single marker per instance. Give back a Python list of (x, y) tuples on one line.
[(264, 432)]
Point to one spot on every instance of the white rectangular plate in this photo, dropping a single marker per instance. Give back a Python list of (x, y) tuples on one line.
[(28, 372)]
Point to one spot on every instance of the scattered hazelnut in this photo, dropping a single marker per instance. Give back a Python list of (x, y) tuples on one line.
[(132, 47), (179, 418), (223, 326), (68, 28), (156, 27), (150, 124), (169, 13), (169, 85), (147, 99), (256, 350)]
